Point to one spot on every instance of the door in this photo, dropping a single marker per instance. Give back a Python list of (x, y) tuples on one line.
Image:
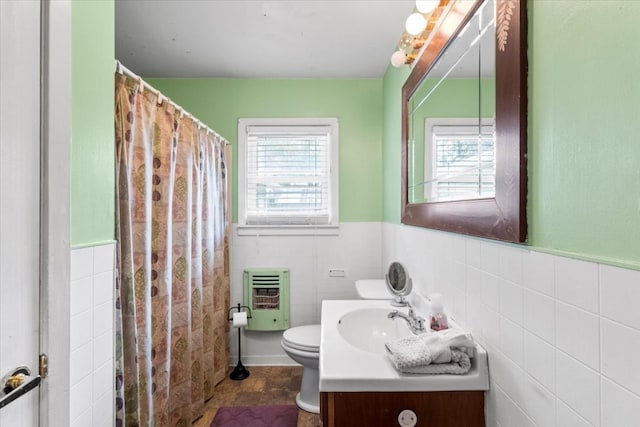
[(19, 200)]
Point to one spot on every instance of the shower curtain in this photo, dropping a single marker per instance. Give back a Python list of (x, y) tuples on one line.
[(172, 261)]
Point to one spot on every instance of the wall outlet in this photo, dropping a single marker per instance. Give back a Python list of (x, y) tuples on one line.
[(337, 272)]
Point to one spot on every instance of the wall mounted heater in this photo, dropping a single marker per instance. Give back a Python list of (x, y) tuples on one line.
[(266, 291)]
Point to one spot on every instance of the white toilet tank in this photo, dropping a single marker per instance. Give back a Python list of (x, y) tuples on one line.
[(373, 289)]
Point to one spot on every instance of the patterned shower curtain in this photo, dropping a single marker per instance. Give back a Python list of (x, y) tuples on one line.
[(172, 224)]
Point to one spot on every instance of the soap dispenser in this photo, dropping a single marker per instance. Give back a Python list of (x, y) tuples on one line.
[(437, 319)]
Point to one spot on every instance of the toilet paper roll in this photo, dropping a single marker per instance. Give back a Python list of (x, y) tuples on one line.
[(239, 319)]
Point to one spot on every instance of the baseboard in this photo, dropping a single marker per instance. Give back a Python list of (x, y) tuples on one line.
[(270, 360)]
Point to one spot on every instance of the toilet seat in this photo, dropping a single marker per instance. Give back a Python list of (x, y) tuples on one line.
[(303, 338)]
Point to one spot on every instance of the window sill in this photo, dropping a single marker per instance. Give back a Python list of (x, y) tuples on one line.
[(288, 230)]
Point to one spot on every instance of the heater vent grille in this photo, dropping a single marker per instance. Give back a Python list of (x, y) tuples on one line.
[(265, 279), (266, 291), (266, 299)]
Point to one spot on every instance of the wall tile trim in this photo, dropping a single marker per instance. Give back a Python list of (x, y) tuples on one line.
[(92, 336)]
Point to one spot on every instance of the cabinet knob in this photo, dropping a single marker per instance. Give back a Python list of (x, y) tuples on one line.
[(407, 418)]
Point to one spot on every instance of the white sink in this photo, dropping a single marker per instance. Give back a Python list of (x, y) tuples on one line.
[(369, 328), (353, 357)]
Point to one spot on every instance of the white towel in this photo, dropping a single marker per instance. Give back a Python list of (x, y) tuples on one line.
[(460, 364), (417, 350), (414, 353), (457, 338)]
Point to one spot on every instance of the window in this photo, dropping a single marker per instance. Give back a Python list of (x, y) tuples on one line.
[(288, 174), (460, 159)]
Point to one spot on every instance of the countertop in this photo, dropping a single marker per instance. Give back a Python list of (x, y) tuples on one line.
[(344, 367)]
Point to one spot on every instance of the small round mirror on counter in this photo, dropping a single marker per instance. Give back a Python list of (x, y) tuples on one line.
[(399, 283)]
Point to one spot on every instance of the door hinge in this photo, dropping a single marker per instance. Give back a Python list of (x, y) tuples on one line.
[(43, 365)]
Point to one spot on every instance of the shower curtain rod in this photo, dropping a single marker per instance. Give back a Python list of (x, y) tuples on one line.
[(121, 69)]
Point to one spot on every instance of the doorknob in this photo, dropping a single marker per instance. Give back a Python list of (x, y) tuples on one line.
[(17, 383)]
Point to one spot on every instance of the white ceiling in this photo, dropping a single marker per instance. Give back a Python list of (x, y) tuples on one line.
[(259, 39)]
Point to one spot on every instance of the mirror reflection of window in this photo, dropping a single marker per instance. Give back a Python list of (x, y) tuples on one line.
[(460, 85), (461, 156)]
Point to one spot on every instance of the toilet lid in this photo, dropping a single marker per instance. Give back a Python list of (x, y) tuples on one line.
[(306, 338)]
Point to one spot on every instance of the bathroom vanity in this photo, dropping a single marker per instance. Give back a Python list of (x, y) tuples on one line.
[(360, 386), (437, 409)]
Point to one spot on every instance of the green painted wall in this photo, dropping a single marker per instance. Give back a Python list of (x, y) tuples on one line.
[(584, 125), (584, 152), (584, 156), (92, 168), (357, 103), (392, 83)]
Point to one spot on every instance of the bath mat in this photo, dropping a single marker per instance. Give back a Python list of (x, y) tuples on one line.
[(256, 416)]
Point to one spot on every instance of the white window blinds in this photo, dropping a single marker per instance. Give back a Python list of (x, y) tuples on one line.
[(288, 176), (461, 158), (465, 162)]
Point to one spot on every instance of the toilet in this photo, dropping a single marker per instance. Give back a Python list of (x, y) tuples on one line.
[(302, 344)]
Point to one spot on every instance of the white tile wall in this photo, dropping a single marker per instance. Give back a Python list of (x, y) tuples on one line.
[(511, 301), (578, 386), (577, 283), (539, 360), (619, 295), (566, 417), (619, 406), (540, 315), (357, 249), (563, 335), (512, 340), (620, 346), (92, 337), (507, 412), (578, 334), (538, 272)]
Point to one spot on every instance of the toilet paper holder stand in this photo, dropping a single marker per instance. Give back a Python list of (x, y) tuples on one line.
[(239, 372)]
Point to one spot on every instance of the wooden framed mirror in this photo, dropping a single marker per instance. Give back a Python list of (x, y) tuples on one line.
[(487, 32)]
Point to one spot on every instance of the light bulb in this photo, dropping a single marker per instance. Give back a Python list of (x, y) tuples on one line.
[(426, 6), (415, 24), (406, 43), (398, 58)]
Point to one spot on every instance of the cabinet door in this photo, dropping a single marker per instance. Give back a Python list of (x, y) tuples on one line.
[(433, 409)]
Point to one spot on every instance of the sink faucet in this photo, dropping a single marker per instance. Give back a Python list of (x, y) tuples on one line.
[(416, 323)]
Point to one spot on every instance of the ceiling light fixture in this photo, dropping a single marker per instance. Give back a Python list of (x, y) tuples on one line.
[(418, 27), (426, 6)]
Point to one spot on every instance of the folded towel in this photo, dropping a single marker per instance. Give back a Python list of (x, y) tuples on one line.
[(413, 353), (460, 364), (454, 337)]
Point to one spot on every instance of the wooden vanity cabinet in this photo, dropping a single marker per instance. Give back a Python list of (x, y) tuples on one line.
[(433, 409)]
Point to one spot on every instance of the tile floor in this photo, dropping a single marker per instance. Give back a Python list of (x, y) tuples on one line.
[(267, 385)]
